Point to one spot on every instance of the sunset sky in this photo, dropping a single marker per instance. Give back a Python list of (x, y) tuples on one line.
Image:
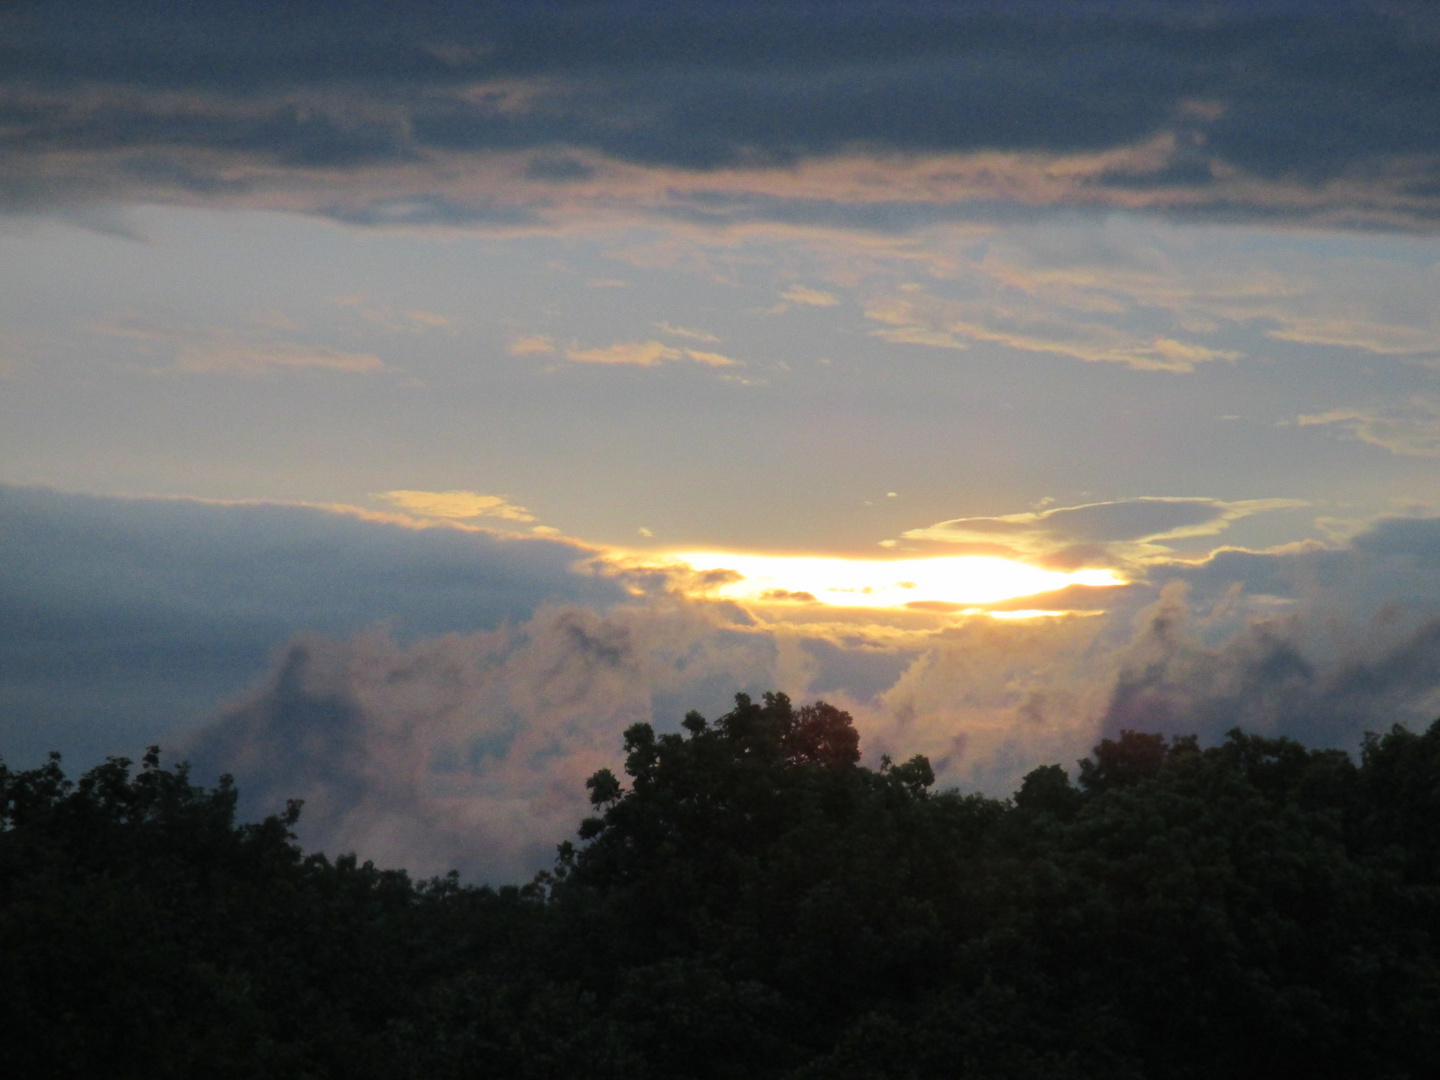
[(397, 400)]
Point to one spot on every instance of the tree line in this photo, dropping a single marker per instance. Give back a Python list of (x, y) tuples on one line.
[(751, 901)]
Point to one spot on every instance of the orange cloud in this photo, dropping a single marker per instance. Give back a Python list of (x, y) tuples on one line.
[(646, 354)]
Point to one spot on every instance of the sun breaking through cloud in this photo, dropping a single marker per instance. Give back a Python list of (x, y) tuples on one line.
[(882, 583)]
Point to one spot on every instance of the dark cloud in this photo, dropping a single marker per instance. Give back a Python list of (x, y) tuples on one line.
[(1267, 679), (1290, 93), (1318, 644), (124, 619), (432, 211)]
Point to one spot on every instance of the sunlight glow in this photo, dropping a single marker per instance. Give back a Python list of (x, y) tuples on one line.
[(877, 583)]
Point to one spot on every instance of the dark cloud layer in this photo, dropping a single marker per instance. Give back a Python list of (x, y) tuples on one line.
[(123, 619), (153, 98)]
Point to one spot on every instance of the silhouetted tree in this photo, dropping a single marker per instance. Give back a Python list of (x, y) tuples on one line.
[(748, 900)]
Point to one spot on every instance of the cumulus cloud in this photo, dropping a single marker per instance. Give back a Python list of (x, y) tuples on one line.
[(1275, 675), (865, 116), (439, 694), (471, 750), (458, 504), (125, 620)]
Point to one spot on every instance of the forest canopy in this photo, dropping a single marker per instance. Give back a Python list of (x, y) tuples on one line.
[(749, 900)]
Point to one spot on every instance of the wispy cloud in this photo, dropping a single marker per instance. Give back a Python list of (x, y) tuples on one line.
[(684, 332), (808, 297), (1123, 532), (457, 504), (1410, 428), (645, 354), (395, 320), (243, 350), (1029, 323), (531, 345)]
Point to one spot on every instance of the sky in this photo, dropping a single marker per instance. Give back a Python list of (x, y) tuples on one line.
[(397, 401)]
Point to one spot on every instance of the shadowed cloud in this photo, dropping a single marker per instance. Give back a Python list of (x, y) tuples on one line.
[(1222, 110)]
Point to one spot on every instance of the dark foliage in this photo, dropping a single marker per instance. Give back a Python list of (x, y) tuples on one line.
[(755, 903)]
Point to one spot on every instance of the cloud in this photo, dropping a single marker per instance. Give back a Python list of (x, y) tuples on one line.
[(1120, 533), (711, 359), (682, 332), (245, 350), (636, 353), (469, 751), (800, 294), (386, 317), (125, 620), (1030, 323), (1158, 296), (1409, 429), (882, 116), (438, 694), (645, 354), (1268, 680), (224, 356), (457, 504), (531, 345)]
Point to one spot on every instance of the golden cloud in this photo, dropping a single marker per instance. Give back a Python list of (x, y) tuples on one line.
[(1126, 532), (457, 504)]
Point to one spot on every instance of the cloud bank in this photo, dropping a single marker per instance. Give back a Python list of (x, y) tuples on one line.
[(124, 620), (471, 750), (438, 694), (849, 115)]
